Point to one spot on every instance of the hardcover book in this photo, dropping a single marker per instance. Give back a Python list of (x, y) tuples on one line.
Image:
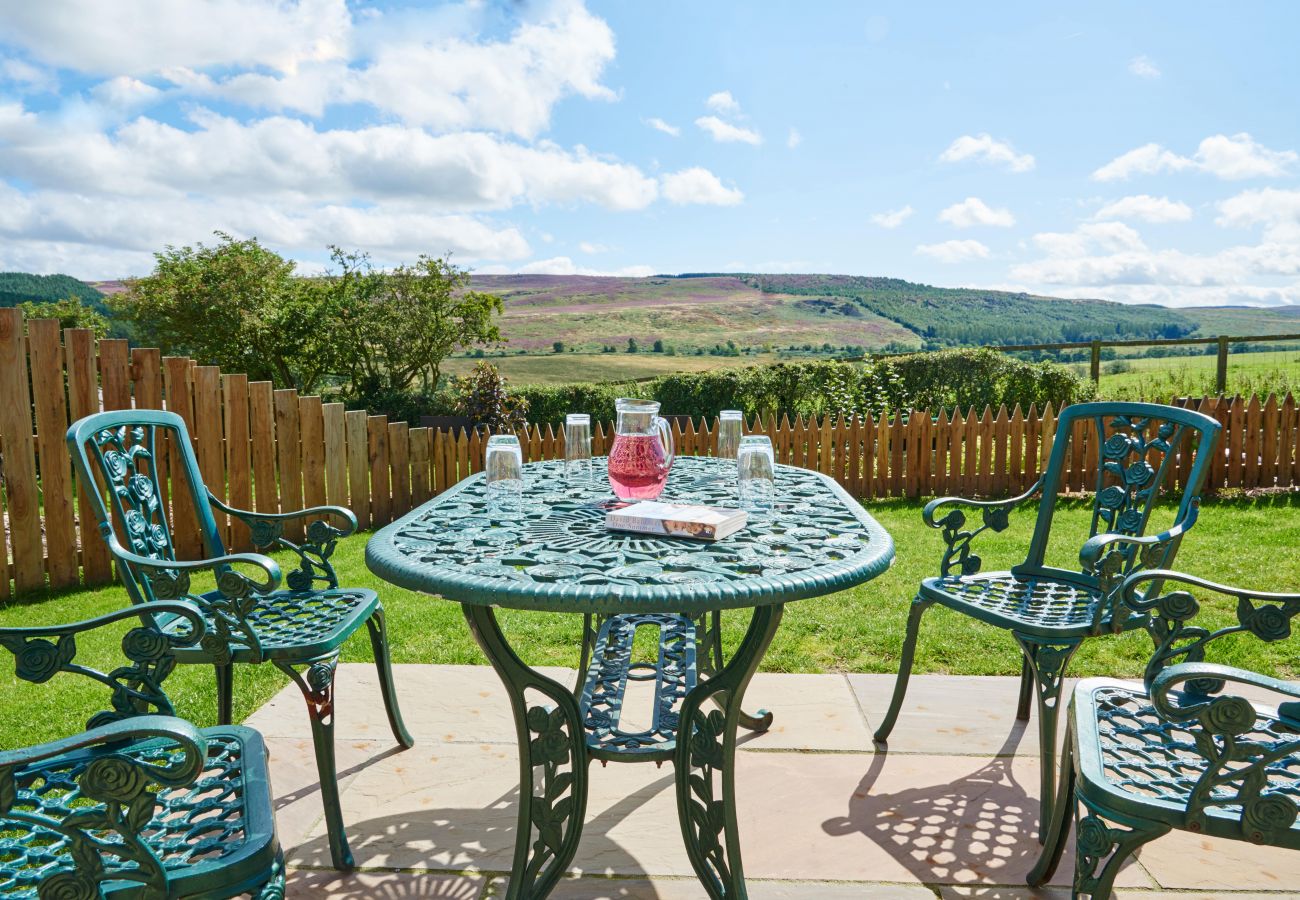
[(705, 523)]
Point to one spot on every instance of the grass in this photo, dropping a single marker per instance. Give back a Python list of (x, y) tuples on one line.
[(859, 630), (1269, 372), (565, 368)]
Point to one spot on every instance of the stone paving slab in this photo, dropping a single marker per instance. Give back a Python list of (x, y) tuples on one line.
[(946, 813)]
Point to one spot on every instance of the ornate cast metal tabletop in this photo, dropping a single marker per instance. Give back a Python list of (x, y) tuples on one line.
[(553, 554)]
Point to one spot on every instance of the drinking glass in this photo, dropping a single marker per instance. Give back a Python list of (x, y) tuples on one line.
[(504, 473), (577, 450), (756, 472), (731, 426)]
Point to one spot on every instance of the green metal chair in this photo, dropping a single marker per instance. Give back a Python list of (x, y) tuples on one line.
[(1051, 610), (1178, 751), (300, 629), (141, 804)]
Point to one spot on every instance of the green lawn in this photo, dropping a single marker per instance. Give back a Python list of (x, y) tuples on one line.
[(1142, 378), (1244, 541)]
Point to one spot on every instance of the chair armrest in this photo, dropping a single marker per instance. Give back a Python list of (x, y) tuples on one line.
[(1201, 675), (248, 517), (995, 515), (1092, 552), (228, 608), (1112, 557), (1177, 638), (121, 803), (41, 652), (138, 728), (267, 530)]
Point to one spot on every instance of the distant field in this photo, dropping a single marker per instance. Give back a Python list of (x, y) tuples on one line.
[(561, 368), (1182, 376), (588, 313)]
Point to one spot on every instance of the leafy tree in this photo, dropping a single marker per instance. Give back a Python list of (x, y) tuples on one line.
[(659, 345), (389, 328), (484, 397), (234, 304), (70, 312), (558, 346), (632, 346)]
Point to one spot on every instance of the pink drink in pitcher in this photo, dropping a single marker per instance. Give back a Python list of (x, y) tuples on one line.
[(642, 452)]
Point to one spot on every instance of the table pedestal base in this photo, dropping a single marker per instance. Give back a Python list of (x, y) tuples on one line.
[(553, 760)]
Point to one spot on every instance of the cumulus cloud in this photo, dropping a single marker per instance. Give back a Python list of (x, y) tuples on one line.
[(563, 265), (725, 132), (892, 218), (446, 109), (973, 211), (590, 248), (794, 138), (1277, 210), (984, 148), (1143, 67), (1110, 259), (1230, 158), (660, 125), (699, 185), (723, 102), (1145, 208), (954, 251), (90, 36)]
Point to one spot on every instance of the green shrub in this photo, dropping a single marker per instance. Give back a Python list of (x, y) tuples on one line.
[(979, 378)]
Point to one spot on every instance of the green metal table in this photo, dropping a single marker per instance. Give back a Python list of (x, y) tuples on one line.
[(553, 554)]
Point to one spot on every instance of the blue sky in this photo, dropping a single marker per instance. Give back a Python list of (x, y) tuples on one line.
[(1138, 152)]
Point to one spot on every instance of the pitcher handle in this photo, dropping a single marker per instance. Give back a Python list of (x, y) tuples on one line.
[(666, 435)]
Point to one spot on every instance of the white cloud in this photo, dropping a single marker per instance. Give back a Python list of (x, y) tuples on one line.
[(954, 251), (794, 138), (125, 93), (698, 185), (589, 247), (1145, 208), (1229, 158), (660, 125), (563, 265), (974, 211), (984, 148), (725, 132), (892, 218), (1143, 67), (145, 36), (1110, 259), (1277, 210), (289, 158), (31, 79), (723, 102)]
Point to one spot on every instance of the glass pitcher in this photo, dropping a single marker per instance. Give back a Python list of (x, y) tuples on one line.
[(642, 452)]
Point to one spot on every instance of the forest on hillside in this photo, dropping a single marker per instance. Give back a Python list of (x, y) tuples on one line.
[(971, 317), (23, 287)]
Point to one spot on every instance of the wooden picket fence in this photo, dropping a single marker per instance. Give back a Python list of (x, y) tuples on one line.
[(273, 450)]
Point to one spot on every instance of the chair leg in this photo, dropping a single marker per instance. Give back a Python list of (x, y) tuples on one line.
[(317, 688), (1048, 663), (1099, 844), (919, 606), (1058, 829), (1026, 690), (225, 693), (379, 643)]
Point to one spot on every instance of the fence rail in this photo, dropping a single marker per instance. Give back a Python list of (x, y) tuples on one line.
[(274, 450)]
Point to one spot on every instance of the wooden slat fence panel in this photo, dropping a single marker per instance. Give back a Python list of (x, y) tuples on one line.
[(239, 472), (55, 471)]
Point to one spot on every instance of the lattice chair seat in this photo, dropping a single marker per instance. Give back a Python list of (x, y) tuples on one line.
[(297, 625), (218, 824), (1149, 761), (1026, 604)]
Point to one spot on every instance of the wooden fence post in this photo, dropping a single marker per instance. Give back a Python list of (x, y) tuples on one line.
[(1221, 368)]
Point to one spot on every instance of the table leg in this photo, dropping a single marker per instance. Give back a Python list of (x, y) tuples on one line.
[(552, 765), (709, 629), (706, 747)]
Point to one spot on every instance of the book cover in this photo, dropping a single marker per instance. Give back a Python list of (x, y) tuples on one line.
[(706, 523)]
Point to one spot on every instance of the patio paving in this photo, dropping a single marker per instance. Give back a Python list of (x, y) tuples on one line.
[(948, 812)]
